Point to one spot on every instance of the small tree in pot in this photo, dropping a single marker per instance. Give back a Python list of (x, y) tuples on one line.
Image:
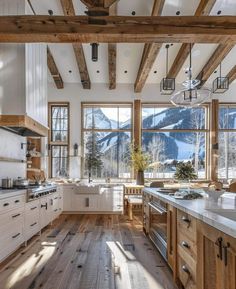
[(140, 161), (185, 172)]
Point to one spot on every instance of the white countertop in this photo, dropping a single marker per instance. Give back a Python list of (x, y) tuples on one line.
[(11, 193), (200, 209)]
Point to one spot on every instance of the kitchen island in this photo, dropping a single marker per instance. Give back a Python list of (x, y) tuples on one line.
[(196, 237)]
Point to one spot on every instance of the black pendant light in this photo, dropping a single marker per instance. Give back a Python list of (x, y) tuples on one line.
[(94, 51), (220, 84), (167, 85)]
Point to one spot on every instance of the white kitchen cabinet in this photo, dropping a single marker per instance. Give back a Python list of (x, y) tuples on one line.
[(111, 199), (68, 192), (11, 224), (45, 212), (84, 202), (32, 219)]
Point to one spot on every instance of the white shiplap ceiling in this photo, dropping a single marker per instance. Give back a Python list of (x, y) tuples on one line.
[(129, 55)]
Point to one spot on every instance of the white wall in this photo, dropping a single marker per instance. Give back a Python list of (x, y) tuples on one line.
[(10, 146), (75, 94)]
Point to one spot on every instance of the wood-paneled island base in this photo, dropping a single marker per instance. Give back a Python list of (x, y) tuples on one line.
[(86, 252)]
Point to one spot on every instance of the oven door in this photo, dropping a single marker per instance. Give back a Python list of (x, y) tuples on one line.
[(158, 225)]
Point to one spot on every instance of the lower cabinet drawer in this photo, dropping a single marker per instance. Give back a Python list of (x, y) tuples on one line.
[(186, 274), (11, 240), (187, 245), (11, 203), (32, 226), (9, 217)]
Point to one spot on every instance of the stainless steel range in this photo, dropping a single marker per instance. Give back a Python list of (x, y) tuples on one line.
[(40, 191)]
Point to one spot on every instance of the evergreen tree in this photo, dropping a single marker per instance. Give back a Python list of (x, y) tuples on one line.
[(93, 161)]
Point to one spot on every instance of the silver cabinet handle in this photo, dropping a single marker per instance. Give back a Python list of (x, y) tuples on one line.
[(33, 224), (33, 208)]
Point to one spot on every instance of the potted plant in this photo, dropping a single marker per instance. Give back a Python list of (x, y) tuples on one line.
[(185, 172), (140, 161)]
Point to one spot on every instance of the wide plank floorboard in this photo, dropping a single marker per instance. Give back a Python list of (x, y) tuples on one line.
[(88, 252)]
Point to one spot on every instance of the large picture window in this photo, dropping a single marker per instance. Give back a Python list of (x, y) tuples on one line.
[(227, 142), (106, 139), (59, 139), (171, 135)]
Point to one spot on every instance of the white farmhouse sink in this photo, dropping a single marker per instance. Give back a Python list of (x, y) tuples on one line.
[(87, 189), (227, 213)]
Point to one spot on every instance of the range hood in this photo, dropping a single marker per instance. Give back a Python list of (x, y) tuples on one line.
[(23, 125), (23, 102)]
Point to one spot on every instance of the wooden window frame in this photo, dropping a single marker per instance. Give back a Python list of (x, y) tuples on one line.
[(229, 105), (104, 104), (206, 131), (57, 143)]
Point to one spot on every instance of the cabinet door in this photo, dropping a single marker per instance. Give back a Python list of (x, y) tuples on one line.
[(171, 237), (229, 263), (68, 192), (209, 258), (105, 203), (84, 202), (45, 215)]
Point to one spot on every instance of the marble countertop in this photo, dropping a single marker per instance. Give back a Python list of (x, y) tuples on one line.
[(205, 209), (11, 193)]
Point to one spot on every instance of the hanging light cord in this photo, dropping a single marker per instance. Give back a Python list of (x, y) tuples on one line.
[(220, 70), (167, 59), (190, 62)]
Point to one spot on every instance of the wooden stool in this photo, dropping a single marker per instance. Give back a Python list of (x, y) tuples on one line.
[(133, 200)]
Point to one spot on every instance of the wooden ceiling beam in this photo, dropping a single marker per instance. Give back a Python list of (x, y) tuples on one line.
[(68, 9), (150, 52), (52, 67), (112, 52), (118, 29), (54, 70), (203, 9), (232, 74), (220, 53)]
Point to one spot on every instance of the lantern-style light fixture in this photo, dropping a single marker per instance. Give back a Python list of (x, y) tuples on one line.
[(191, 95), (220, 84), (94, 51), (167, 85)]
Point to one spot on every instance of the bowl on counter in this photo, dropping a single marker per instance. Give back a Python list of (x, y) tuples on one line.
[(214, 195)]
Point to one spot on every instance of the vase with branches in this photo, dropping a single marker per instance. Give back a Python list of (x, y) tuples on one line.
[(140, 161)]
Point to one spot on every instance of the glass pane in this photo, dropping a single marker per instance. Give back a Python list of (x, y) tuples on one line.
[(106, 154), (227, 155), (173, 118), (58, 136), (227, 118), (167, 149), (125, 117), (101, 118), (59, 161)]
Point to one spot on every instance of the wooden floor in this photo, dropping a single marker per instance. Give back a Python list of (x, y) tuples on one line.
[(88, 252)]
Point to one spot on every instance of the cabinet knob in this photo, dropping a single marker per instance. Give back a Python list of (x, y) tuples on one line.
[(185, 269), (185, 244)]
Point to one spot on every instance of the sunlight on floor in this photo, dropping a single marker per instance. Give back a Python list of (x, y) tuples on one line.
[(122, 258), (32, 263)]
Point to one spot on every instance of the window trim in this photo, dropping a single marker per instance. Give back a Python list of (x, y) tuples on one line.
[(104, 104), (56, 143), (207, 132)]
